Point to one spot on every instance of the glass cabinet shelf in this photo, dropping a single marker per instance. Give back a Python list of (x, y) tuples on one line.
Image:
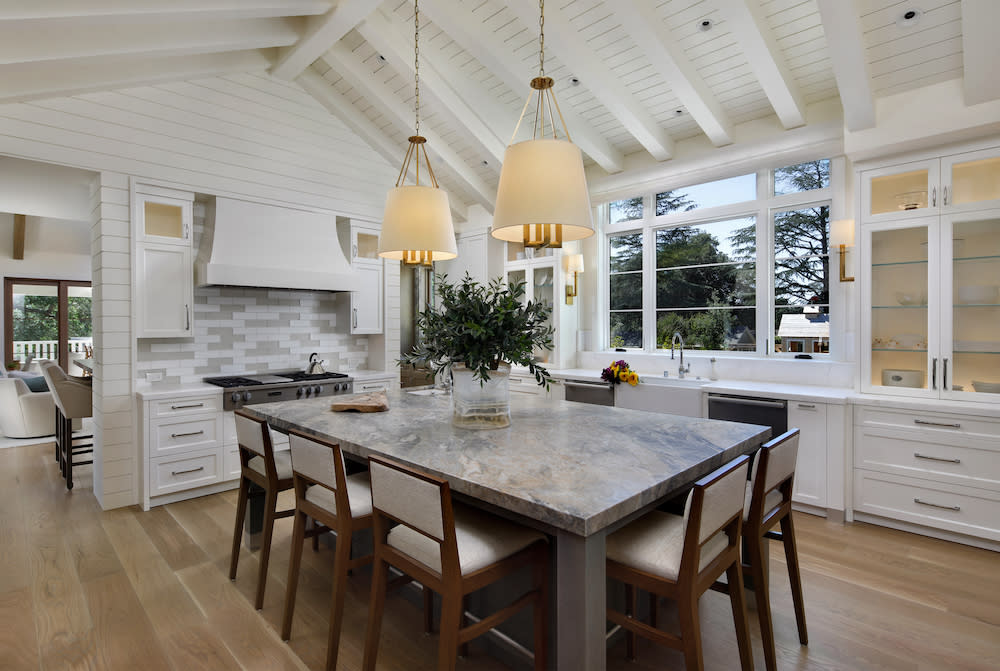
[(900, 263), (897, 349), (899, 307), (977, 258)]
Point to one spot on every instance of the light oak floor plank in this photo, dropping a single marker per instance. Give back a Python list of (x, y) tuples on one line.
[(123, 589)]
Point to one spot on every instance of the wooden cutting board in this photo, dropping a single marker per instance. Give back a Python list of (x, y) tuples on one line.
[(373, 402)]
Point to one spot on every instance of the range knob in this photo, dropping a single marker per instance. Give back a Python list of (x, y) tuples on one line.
[(338, 387), (299, 392), (235, 397), (318, 390), (309, 390), (246, 397)]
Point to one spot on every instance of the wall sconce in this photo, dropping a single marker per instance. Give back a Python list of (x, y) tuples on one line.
[(573, 263), (842, 233)]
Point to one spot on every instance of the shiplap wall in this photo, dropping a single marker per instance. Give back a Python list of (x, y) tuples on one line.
[(242, 135)]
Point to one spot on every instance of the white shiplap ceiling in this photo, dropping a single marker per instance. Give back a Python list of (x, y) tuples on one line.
[(632, 76)]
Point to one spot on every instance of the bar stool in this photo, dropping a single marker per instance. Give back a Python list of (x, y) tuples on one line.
[(768, 503), (74, 400), (327, 495), (681, 558), (272, 472), (453, 550)]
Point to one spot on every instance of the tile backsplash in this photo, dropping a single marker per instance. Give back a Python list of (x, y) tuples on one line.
[(243, 329)]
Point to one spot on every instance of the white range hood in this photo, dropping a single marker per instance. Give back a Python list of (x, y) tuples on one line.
[(255, 245)]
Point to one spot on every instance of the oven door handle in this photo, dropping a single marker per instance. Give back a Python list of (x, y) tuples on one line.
[(584, 384), (747, 401)]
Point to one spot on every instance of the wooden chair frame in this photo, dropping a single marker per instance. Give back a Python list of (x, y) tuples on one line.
[(451, 584), (272, 486), (760, 526), (689, 586), (343, 524)]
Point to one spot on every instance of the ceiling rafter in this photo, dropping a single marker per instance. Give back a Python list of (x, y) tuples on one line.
[(564, 41), (749, 26), (497, 56), (357, 75), (981, 50), (56, 9), (385, 37), (842, 28), (65, 41), (31, 81), (319, 88), (320, 32), (640, 20)]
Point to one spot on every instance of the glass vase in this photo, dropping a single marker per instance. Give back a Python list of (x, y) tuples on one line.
[(477, 404)]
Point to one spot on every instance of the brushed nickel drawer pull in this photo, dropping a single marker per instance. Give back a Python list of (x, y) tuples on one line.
[(927, 456), (190, 470), (373, 386), (189, 405), (807, 406), (937, 505), (185, 435), (944, 424)]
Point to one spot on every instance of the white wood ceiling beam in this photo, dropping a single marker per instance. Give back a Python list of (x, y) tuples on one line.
[(386, 38), (55, 9), (844, 37), (749, 26), (562, 40), (319, 88), (29, 81), (496, 56), (355, 73), (320, 33), (641, 21), (980, 50), (62, 40)]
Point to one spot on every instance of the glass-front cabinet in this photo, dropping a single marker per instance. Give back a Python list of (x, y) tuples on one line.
[(541, 271), (931, 318)]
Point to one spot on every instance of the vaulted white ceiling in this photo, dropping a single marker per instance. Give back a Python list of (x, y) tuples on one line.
[(632, 76)]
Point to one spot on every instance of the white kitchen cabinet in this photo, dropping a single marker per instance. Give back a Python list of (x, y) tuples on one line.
[(371, 383), (163, 273), (809, 486), (479, 255), (541, 271), (366, 304)]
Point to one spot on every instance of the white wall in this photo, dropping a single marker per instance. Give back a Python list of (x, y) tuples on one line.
[(240, 135)]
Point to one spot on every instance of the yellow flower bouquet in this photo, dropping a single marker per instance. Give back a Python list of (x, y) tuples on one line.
[(619, 371)]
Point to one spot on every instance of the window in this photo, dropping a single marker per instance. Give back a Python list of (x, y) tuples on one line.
[(731, 270)]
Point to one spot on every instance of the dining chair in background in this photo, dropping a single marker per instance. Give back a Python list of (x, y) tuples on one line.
[(452, 549), (343, 504), (681, 557)]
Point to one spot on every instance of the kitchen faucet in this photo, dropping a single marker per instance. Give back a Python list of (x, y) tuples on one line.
[(681, 370)]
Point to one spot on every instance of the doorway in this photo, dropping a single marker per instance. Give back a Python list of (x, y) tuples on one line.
[(47, 320)]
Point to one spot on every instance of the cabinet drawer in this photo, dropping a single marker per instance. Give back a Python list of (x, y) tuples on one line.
[(960, 509), (191, 405), (231, 467), (973, 464), (186, 471), (937, 424), (370, 386), (525, 384), (183, 435)]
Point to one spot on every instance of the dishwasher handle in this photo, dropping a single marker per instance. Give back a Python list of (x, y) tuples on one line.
[(586, 384), (747, 401)]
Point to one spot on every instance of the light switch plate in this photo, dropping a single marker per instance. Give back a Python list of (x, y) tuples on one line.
[(154, 377)]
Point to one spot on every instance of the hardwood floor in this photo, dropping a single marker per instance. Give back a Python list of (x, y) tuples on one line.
[(123, 589)]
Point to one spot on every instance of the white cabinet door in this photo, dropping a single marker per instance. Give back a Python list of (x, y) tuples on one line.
[(366, 304), (900, 191), (163, 219), (164, 291), (810, 469)]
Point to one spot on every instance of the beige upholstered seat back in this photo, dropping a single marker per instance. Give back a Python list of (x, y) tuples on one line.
[(782, 454), (251, 434), (416, 502), (314, 460), (723, 500), (74, 398)]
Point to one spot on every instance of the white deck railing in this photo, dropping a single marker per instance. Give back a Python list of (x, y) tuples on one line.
[(48, 349)]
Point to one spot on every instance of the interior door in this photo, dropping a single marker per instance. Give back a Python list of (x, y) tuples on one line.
[(48, 319)]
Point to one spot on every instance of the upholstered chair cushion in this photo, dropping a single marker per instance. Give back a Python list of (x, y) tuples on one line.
[(359, 495), (771, 500), (482, 539), (282, 464), (654, 544), (73, 396)]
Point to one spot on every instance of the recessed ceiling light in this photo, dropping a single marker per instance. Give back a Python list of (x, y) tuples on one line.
[(705, 25), (909, 18), (485, 162), (575, 81), (678, 112), (381, 58)]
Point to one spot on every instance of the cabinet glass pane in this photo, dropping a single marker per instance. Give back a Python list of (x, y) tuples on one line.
[(975, 181), (903, 191), (543, 289), (165, 221), (899, 314), (367, 246), (516, 276), (976, 306), (515, 251)]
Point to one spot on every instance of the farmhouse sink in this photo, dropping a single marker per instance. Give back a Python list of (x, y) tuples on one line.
[(667, 395)]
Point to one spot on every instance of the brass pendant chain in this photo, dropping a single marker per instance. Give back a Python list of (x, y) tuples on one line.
[(416, 62), (541, 38)]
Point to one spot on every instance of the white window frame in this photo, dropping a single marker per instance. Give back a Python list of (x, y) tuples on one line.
[(763, 208)]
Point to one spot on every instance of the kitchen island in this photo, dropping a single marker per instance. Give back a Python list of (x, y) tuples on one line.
[(572, 470)]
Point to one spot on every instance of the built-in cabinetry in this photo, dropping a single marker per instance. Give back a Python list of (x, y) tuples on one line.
[(939, 470), (163, 282), (541, 271), (366, 306), (365, 383), (479, 255), (523, 382)]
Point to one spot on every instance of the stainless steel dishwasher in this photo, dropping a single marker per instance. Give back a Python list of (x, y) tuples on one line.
[(585, 391), (772, 412)]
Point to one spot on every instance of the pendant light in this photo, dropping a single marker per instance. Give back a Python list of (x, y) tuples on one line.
[(542, 199), (417, 227)]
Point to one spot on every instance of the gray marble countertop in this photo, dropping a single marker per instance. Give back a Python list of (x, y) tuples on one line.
[(570, 466)]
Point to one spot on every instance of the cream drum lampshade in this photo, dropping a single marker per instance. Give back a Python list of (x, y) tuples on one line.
[(417, 218)]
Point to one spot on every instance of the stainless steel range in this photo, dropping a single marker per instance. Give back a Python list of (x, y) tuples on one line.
[(280, 386)]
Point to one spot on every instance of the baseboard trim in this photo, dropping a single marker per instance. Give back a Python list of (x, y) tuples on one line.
[(921, 530)]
